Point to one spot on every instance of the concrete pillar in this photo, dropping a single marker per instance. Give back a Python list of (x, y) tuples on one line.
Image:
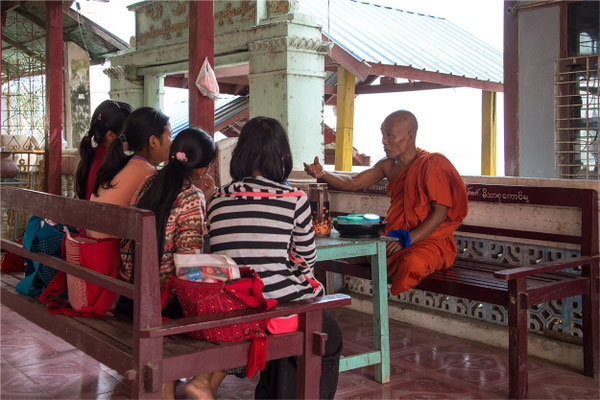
[(154, 91), (77, 93), (287, 83), (125, 85)]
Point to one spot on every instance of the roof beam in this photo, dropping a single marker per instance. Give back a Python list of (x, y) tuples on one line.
[(243, 114), (9, 5), (232, 70), (95, 28), (399, 71), (26, 14), (401, 87), (24, 49), (359, 69)]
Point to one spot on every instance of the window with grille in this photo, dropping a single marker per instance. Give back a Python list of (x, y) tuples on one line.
[(577, 105)]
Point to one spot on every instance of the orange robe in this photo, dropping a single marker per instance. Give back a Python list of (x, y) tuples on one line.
[(429, 178)]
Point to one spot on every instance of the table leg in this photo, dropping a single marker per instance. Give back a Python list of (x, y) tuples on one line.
[(380, 313)]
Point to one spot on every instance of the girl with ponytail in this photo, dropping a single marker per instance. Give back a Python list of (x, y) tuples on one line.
[(106, 125), (148, 135), (180, 210)]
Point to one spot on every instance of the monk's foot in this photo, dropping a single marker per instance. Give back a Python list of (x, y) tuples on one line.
[(199, 388), (168, 390)]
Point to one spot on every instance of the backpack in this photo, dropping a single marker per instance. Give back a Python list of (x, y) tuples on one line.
[(40, 237)]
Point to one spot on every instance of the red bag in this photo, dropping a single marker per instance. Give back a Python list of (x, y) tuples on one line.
[(201, 298), (87, 299), (12, 262)]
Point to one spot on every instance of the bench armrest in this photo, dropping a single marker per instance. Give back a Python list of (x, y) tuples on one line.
[(523, 272), (184, 325)]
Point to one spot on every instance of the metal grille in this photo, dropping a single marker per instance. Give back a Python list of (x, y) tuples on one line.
[(577, 108), (23, 84)]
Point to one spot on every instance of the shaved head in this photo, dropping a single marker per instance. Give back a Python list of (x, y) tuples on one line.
[(403, 117)]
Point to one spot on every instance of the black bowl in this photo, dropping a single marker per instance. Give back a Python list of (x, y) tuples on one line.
[(363, 230)]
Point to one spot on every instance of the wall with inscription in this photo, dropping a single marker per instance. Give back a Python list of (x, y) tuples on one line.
[(164, 22)]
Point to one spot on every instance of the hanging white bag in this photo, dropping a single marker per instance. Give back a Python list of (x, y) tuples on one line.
[(207, 81)]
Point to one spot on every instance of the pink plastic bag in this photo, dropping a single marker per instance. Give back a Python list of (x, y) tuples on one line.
[(207, 81)]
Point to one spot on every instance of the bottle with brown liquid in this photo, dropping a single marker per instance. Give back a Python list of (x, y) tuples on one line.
[(319, 205)]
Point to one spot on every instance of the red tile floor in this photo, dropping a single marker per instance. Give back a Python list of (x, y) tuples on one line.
[(425, 365)]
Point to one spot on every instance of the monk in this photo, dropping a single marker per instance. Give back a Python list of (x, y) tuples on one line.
[(428, 201)]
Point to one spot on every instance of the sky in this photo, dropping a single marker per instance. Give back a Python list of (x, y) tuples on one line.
[(449, 119)]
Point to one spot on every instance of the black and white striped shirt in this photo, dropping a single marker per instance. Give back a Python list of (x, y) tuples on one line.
[(266, 226)]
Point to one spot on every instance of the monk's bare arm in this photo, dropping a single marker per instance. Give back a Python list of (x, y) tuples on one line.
[(348, 182), (434, 219)]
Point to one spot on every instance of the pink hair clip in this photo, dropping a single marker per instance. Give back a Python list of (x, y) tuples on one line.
[(180, 155)]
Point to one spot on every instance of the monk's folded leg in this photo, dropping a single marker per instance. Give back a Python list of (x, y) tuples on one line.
[(407, 267)]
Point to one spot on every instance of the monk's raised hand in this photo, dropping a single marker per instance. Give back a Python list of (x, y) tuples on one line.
[(392, 247), (315, 169)]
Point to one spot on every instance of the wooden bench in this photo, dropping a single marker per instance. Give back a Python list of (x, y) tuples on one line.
[(518, 288), (147, 351)]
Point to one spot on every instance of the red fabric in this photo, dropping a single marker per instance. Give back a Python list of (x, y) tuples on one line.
[(202, 298), (99, 153), (12, 262), (282, 324), (429, 178), (102, 257)]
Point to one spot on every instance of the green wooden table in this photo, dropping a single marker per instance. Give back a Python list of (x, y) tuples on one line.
[(335, 248)]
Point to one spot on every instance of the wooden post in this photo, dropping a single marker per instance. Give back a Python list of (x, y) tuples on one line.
[(345, 120), (2, 22), (201, 45), (488, 133), (54, 97), (590, 301), (147, 352), (517, 339), (309, 364)]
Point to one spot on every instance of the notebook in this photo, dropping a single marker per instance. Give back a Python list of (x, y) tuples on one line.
[(205, 267)]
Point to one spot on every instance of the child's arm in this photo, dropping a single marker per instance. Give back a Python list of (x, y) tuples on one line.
[(303, 237)]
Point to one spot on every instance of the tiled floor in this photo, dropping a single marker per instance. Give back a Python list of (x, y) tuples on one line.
[(425, 365)]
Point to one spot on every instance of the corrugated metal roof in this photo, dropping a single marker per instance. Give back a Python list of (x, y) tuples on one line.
[(225, 108), (387, 35), (24, 33)]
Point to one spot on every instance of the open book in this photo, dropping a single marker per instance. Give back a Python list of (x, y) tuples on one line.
[(205, 267)]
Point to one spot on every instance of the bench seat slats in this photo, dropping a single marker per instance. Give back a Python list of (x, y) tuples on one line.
[(116, 351), (491, 266), (116, 331), (113, 353), (487, 279), (458, 289)]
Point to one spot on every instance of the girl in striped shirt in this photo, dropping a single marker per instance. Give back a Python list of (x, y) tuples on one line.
[(263, 223)]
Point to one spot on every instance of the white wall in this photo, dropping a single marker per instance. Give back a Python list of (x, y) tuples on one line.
[(538, 48)]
